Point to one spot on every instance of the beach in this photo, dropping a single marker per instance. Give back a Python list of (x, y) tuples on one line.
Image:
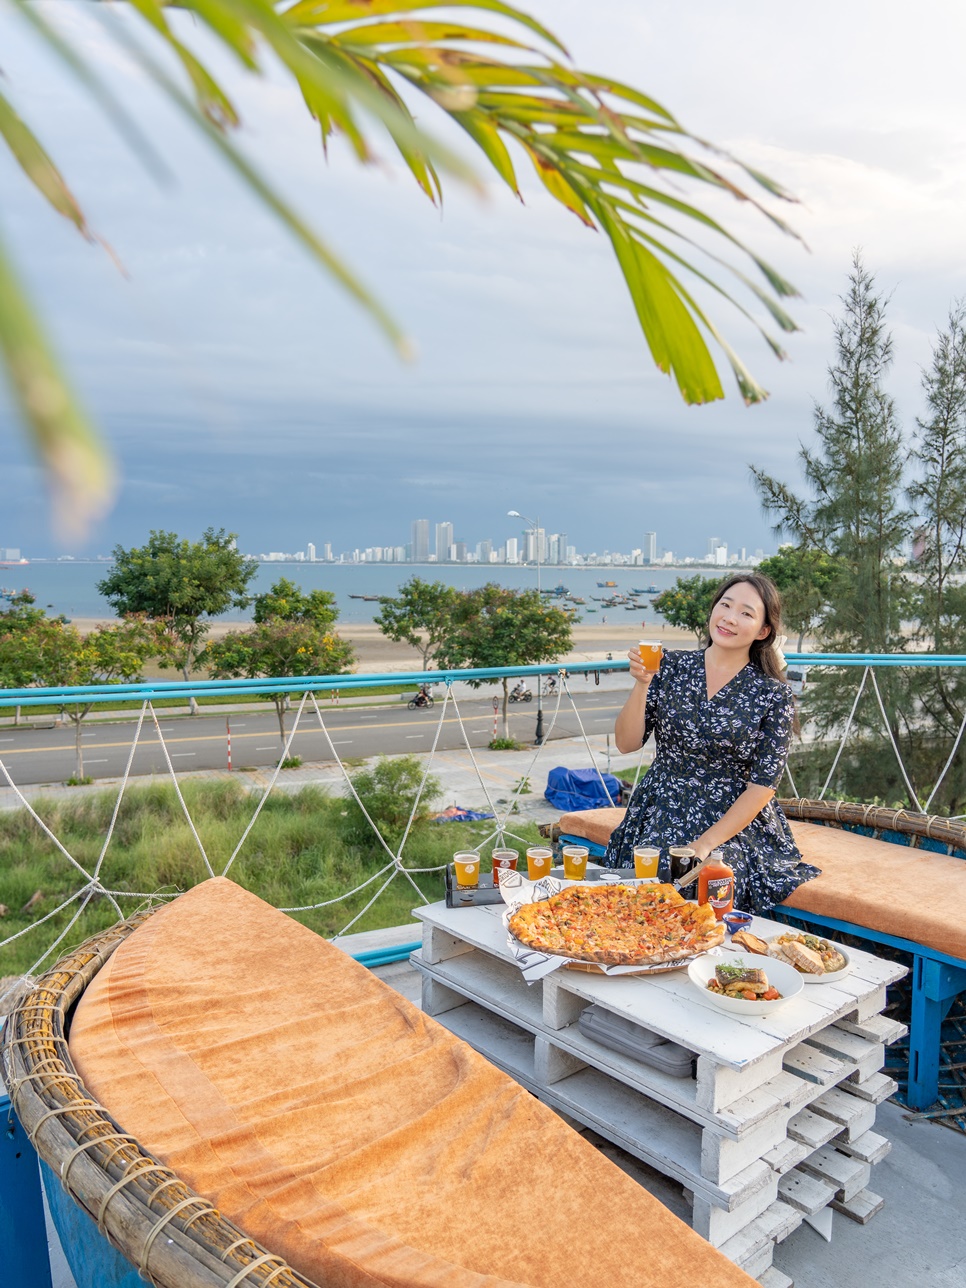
[(376, 654)]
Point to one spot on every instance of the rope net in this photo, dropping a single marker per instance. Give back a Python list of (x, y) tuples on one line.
[(398, 864)]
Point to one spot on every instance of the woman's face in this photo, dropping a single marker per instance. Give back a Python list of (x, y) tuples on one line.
[(738, 618)]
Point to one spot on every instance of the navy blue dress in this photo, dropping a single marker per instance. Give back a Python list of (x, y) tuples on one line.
[(707, 750)]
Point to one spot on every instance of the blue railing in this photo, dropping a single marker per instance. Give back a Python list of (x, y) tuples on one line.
[(150, 690)]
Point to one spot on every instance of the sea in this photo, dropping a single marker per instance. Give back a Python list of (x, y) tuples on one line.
[(70, 586)]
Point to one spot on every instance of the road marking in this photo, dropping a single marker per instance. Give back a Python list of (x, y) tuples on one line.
[(180, 755), (88, 761), (415, 735), (8, 740), (272, 747), (342, 742), (368, 717)]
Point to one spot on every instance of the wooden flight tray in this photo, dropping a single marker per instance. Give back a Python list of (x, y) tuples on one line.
[(485, 891)]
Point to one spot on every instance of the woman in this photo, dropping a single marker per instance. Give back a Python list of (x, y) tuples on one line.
[(722, 719)]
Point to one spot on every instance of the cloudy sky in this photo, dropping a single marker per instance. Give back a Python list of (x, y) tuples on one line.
[(240, 388)]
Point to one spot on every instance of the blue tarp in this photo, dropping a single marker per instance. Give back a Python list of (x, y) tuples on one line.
[(456, 815), (573, 789)]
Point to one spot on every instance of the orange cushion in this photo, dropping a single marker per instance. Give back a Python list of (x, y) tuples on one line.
[(349, 1133), (913, 894), (593, 825)]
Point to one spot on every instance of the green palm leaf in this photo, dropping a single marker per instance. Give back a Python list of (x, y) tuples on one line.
[(607, 152)]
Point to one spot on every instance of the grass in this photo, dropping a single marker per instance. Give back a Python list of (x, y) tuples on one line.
[(302, 850)]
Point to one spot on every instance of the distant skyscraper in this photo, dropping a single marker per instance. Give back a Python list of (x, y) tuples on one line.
[(310, 552), (721, 555), (713, 544), (484, 550), (421, 541), (650, 547), (512, 550), (444, 539), (327, 552)]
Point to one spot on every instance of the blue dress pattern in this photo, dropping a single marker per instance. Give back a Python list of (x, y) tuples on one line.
[(707, 750)]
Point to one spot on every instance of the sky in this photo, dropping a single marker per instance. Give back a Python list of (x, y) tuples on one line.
[(240, 388)]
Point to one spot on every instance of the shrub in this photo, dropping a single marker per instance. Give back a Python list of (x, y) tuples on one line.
[(505, 744), (388, 791)]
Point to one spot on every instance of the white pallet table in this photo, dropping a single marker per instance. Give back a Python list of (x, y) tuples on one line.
[(870, 1147), (877, 1088), (748, 1137)]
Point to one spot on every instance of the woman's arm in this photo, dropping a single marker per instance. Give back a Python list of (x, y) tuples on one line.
[(629, 726), (747, 807)]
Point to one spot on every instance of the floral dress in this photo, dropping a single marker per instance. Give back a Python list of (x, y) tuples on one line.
[(707, 751)]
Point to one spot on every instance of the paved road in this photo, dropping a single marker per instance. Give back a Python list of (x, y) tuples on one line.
[(47, 755)]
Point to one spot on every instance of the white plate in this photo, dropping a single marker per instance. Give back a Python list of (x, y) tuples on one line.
[(831, 976), (786, 979)]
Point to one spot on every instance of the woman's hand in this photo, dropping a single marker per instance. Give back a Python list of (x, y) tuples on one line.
[(637, 668)]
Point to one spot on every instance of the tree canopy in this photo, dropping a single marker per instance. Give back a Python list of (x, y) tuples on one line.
[(367, 70), (292, 636), (496, 626), (688, 603), (419, 615), (178, 584), (804, 576)]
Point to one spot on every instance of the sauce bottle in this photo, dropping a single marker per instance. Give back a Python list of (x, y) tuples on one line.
[(716, 884)]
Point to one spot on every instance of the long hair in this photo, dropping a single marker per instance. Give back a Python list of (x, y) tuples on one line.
[(762, 652)]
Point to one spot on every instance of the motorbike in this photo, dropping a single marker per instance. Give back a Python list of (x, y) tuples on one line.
[(420, 700), (521, 695)]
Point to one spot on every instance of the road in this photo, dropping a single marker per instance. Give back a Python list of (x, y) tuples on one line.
[(47, 755)]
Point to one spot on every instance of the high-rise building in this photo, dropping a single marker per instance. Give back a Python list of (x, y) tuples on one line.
[(310, 552), (327, 552), (650, 547), (713, 543), (484, 550), (535, 546), (721, 555), (512, 550), (444, 539), (420, 541), (459, 552)]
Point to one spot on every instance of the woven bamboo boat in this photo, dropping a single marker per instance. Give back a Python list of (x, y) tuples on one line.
[(172, 1236), (895, 825)]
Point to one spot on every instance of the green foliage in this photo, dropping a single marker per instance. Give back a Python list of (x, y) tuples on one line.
[(504, 744), (177, 583), (292, 762), (604, 151), (388, 791), (688, 603), (804, 576), (285, 601), (297, 641), (494, 626), (419, 615)]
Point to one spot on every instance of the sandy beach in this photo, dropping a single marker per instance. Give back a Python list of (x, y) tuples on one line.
[(376, 654)]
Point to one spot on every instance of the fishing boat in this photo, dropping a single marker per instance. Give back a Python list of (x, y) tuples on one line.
[(644, 590), (607, 583)]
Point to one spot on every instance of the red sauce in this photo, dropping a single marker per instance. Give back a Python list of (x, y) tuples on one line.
[(716, 885)]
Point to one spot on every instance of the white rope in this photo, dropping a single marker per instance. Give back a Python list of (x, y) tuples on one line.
[(952, 754), (845, 734), (43, 826), (310, 907), (274, 779), (590, 750), (46, 917), (885, 720), (174, 779), (385, 886), (117, 806), (88, 893)]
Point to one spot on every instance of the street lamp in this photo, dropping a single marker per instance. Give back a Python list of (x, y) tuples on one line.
[(535, 525)]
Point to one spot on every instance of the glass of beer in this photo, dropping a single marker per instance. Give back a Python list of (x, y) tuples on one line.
[(575, 862), (682, 859), (646, 859), (504, 861), (539, 862), (467, 865), (650, 651)]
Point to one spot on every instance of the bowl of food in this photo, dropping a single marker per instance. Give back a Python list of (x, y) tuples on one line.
[(744, 984), (817, 960), (736, 921)]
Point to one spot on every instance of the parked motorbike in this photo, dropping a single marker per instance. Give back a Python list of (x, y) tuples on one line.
[(521, 695)]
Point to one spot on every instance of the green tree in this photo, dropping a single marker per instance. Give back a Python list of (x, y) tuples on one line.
[(804, 577), (55, 654), (938, 495), (688, 603), (292, 636), (856, 513), (179, 585), (494, 626), (287, 602), (389, 789), (606, 152), (419, 615)]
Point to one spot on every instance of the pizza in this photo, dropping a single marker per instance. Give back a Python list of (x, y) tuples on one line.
[(618, 925)]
